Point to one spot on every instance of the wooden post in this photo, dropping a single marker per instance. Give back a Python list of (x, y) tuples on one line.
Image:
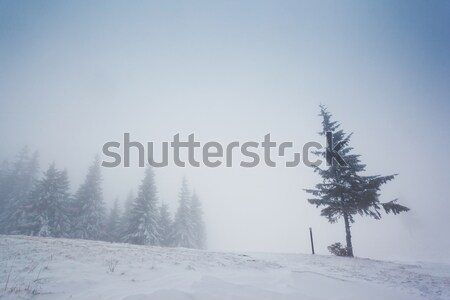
[(312, 241)]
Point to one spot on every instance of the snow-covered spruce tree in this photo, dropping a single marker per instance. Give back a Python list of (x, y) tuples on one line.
[(198, 226), (344, 192), (16, 189), (5, 184), (47, 210), (165, 225), (112, 226), (88, 208), (183, 235), (125, 218), (143, 220)]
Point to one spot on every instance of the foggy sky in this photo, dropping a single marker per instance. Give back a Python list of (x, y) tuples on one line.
[(74, 75)]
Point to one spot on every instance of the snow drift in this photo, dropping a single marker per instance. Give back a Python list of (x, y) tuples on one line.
[(49, 268)]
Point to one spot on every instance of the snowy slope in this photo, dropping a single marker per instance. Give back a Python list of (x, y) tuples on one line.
[(46, 268)]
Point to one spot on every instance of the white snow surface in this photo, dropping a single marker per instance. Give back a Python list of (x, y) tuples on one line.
[(48, 268)]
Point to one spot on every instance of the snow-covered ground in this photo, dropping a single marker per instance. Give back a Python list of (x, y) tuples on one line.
[(46, 268)]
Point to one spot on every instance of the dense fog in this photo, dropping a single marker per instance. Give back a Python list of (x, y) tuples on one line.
[(74, 77)]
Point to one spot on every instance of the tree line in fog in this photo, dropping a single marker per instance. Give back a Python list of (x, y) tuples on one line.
[(43, 206)]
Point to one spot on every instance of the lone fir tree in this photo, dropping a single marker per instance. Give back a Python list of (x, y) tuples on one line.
[(344, 192)]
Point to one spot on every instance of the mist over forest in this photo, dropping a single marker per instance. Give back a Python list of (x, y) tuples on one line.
[(75, 76)]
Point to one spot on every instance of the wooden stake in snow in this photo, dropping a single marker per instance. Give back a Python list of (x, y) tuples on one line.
[(312, 241)]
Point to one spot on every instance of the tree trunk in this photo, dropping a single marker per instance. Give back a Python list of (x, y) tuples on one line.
[(348, 236)]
